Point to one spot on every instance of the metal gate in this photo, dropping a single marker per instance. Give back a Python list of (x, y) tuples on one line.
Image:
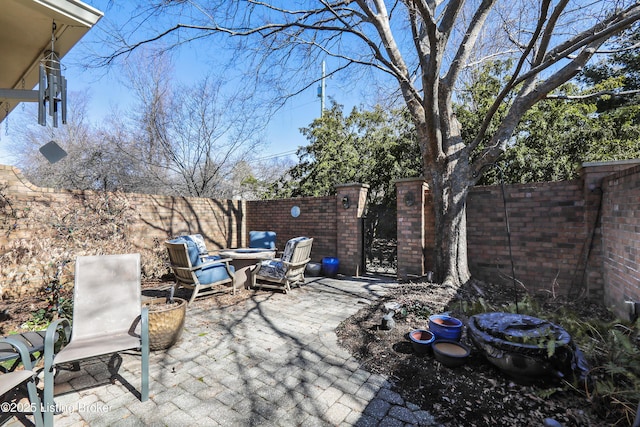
[(380, 239)]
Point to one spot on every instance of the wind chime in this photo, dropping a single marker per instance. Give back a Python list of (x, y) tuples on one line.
[(51, 96), (52, 86)]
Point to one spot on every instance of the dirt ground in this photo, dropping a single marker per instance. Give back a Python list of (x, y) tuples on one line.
[(475, 394)]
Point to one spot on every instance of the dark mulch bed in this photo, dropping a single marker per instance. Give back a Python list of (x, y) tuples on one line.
[(476, 394)]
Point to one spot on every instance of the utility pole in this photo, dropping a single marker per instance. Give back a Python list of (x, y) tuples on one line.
[(321, 90)]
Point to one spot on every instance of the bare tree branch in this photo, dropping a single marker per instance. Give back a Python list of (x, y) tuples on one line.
[(549, 30), (525, 100), (619, 50), (598, 94), (512, 82), (467, 44)]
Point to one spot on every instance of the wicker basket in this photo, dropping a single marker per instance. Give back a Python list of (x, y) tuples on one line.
[(166, 322)]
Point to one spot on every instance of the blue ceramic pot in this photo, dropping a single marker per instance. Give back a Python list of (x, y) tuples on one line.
[(421, 340), (330, 266), (450, 353), (445, 327)]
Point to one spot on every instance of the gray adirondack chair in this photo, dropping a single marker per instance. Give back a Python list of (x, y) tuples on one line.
[(286, 271), (108, 318)]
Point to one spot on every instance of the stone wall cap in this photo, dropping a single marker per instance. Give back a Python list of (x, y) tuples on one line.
[(611, 163), (352, 184), (418, 178)]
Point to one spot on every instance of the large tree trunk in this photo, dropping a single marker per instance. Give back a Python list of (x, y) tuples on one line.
[(451, 258), (447, 170), (449, 191)]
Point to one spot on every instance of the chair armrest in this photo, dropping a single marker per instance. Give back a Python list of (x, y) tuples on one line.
[(185, 268), (50, 340), (260, 261), (296, 264), (25, 358), (214, 262), (225, 261), (144, 327)]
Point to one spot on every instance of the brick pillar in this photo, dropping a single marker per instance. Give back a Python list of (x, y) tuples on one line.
[(592, 174), (350, 205), (415, 228)]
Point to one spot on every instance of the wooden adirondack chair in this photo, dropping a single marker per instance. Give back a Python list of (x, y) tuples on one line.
[(286, 271), (192, 271)]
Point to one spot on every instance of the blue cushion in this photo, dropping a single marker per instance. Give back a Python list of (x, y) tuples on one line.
[(192, 248), (199, 241), (262, 239), (213, 273)]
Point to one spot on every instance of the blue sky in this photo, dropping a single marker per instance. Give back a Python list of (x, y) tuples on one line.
[(282, 133)]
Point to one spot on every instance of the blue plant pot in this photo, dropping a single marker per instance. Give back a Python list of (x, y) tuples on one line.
[(445, 327), (450, 353), (330, 266), (421, 340)]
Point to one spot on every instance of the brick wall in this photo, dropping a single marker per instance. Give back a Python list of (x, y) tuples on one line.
[(414, 224), (548, 234), (219, 221), (223, 223), (350, 207), (578, 238), (317, 219), (154, 218), (336, 231), (621, 238), (558, 245)]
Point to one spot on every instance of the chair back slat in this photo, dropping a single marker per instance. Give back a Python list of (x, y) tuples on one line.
[(291, 247), (300, 258), (302, 251), (179, 257), (107, 294)]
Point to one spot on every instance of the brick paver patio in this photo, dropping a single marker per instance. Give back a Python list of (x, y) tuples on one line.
[(272, 359)]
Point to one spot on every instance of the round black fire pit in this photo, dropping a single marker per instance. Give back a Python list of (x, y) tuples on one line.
[(524, 347)]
